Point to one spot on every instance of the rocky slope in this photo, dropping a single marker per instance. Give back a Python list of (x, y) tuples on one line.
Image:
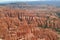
[(24, 24)]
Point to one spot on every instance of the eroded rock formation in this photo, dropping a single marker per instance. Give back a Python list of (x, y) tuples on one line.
[(17, 24)]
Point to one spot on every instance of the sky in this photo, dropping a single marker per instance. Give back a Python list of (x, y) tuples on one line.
[(24, 0)]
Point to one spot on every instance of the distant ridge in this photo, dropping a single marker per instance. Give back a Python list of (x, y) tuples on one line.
[(56, 3)]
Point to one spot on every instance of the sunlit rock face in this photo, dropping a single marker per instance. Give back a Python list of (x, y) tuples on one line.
[(1, 39), (19, 24)]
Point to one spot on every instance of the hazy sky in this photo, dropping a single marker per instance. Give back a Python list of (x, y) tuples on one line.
[(26, 0)]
